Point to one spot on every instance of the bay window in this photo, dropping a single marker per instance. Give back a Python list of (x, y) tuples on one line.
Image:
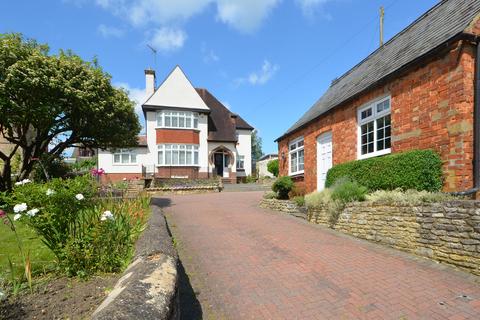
[(240, 162), (177, 119), (177, 155), (374, 128), (296, 156), (124, 156)]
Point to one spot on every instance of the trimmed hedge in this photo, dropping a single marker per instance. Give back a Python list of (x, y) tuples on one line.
[(418, 169)]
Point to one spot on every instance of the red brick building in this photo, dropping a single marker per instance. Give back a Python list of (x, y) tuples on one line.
[(420, 90)]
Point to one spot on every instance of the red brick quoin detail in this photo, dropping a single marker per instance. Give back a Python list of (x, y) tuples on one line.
[(432, 108), (177, 136)]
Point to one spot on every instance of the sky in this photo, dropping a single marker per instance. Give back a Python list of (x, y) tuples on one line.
[(267, 60)]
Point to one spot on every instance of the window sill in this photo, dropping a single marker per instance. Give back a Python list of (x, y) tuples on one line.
[(125, 164), (177, 165), (374, 154), (296, 174), (168, 128)]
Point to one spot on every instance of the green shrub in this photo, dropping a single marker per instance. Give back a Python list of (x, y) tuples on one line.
[(299, 201), (270, 195), (272, 167), (409, 197), (297, 191), (54, 166), (282, 186), (418, 169), (318, 199), (346, 190), (250, 179)]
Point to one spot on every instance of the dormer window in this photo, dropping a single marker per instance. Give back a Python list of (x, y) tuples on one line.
[(177, 119)]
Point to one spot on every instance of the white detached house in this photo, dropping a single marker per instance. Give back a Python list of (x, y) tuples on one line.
[(189, 134)]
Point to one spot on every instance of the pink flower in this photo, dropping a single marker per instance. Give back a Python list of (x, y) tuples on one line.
[(3, 214)]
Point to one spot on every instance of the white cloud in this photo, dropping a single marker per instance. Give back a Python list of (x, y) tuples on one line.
[(261, 76), (135, 94), (110, 32), (209, 56), (243, 15), (310, 7), (168, 39)]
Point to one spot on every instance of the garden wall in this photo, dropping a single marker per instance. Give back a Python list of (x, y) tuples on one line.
[(148, 288), (447, 232), (285, 206)]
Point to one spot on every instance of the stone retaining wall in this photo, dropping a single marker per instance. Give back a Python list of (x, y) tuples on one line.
[(148, 288), (184, 190), (285, 206), (447, 232)]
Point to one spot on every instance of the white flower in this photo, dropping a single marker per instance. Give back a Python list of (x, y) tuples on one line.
[(17, 216), (106, 215), (19, 183), (20, 207), (33, 212), (25, 181), (79, 196), (50, 192), (124, 179)]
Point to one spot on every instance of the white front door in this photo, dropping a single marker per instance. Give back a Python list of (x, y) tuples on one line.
[(324, 158)]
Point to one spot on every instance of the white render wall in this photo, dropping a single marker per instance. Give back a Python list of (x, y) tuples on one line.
[(244, 148), (105, 162), (230, 146), (262, 167)]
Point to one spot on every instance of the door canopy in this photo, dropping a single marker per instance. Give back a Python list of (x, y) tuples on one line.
[(221, 150)]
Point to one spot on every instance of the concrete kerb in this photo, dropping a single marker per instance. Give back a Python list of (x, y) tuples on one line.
[(148, 288)]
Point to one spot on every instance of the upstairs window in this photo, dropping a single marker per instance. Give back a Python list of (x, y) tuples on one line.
[(125, 156), (296, 155), (177, 119), (374, 123), (177, 155), (240, 162)]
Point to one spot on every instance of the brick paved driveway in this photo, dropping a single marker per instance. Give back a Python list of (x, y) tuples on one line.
[(250, 263)]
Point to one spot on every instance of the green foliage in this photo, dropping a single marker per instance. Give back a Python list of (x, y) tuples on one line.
[(250, 179), (299, 201), (58, 100), (257, 152), (346, 190), (282, 186), (418, 169), (317, 200), (409, 197), (55, 167), (84, 165), (272, 167), (270, 195), (86, 234)]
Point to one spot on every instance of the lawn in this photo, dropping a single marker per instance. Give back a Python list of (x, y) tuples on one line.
[(42, 259)]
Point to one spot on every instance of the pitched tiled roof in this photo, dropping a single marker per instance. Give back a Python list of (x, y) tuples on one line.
[(444, 21), (222, 123)]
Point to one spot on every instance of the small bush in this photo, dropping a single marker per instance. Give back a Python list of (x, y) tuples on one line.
[(346, 190), (409, 197), (250, 179), (318, 199), (299, 201), (282, 186), (270, 195), (272, 167), (297, 191), (418, 169)]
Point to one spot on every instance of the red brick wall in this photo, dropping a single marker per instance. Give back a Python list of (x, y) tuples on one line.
[(432, 107), (177, 136), (115, 177), (190, 172)]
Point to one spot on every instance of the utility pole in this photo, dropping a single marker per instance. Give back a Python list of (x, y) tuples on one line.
[(382, 14)]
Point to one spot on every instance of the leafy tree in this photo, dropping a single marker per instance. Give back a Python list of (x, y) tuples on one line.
[(272, 167), (49, 103), (257, 152)]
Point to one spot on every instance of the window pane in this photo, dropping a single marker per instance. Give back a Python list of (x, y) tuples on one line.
[(181, 122), (293, 162), (366, 113), (174, 121), (300, 160), (159, 119), (168, 157), (370, 147), (300, 143), (195, 122), (174, 157), (125, 158), (387, 143), (189, 157), (195, 157), (116, 158), (133, 158), (384, 105), (182, 157), (188, 122), (167, 121), (160, 157)]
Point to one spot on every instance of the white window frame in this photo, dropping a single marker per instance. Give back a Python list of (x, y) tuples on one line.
[(373, 117), (240, 160), (191, 149), (121, 153), (296, 151), (179, 116)]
